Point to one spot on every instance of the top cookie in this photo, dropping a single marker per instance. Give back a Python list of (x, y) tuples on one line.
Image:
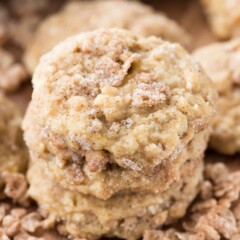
[(75, 18), (221, 61), (224, 17), (137, 100)]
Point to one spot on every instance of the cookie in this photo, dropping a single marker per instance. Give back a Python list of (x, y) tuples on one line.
[(14, 156), (111, 99), (221, 61), (74, 19), (224, 17), (124, 215)]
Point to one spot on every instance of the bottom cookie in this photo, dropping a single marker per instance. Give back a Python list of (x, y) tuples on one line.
[(125, 215)]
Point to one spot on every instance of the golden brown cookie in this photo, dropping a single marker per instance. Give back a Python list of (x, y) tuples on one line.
[(221, 61), (224, 17), (13, 153), (110, 99), (81, 16)]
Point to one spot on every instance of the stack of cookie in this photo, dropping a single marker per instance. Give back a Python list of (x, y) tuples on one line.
[(116, 129)]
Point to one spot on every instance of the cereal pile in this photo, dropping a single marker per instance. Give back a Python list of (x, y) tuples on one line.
[(120, 119), (18, 21), (215, 214)]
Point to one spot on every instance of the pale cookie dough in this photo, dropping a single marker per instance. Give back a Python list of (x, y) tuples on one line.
[(224, 17), (124, 215), (83, 16), (13, 153), (110, 98), (221, 61)]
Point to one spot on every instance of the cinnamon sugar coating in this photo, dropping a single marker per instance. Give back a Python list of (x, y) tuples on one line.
[(128, 102), (75, 18)]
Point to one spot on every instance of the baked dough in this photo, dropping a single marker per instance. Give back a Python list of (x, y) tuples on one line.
[(110, 99), (124, 215)]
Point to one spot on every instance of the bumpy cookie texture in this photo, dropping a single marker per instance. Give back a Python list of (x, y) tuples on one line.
[(221, 61), (215, 215), (74, 19), (124, 215), (224, 17), (14, 156), (110, 98), (90, 177)]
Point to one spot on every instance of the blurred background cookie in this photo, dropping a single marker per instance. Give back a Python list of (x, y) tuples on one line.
[(224, 17), (221, 61), (80, 16)]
